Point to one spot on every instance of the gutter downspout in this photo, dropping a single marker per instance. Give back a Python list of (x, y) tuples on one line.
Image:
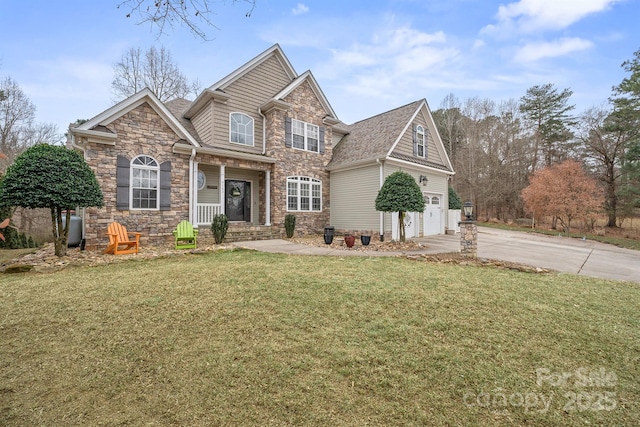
[(192, 201), (381, 221), (264, 131), (267, 178), (84, 156)]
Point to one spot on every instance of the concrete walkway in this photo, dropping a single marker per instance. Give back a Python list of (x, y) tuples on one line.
[(576, 256)]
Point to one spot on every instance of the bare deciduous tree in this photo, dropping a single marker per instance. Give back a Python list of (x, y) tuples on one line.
[(154, 69), (603, 145), (449, 122), (18, 130), (190, 13)]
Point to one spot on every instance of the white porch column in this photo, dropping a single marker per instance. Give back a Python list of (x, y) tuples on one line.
[(193, 214), (222, 191), (267, 192)]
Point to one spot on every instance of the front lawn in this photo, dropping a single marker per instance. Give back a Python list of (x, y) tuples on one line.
[(245, 338)]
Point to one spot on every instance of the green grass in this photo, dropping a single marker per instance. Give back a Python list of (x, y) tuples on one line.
[(620, 241), (244, 338)]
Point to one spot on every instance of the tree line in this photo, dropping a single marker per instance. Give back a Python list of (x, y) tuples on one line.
[(498, 147)]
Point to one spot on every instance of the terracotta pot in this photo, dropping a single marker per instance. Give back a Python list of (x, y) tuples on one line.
[(349, 240)]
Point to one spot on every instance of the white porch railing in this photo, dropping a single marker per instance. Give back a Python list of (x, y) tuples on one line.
[(206, 211)]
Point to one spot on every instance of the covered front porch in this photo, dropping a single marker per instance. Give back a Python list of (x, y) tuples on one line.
[(241, 194), (228, 182)]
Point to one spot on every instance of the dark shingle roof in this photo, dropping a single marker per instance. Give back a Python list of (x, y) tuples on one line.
[(373, 137), (177, 107)]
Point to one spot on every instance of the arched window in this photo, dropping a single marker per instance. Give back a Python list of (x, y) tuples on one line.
[(241, 129), (304, 194), (145, 173), (420, 141)]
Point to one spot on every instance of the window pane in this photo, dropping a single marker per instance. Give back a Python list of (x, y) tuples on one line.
[(298, 141), (292, 189), (292, 203), (153, 179), (316, 190), (312, 145), (241, 129), (304, 203), (297, 127), (316, 204)]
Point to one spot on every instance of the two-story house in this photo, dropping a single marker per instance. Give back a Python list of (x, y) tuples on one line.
[(258, 144)]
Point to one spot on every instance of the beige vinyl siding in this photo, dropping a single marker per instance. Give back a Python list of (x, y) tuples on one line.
[(247, 93), (437, 184), (203, 122), (405, 145), (209, 194), (353, 197)]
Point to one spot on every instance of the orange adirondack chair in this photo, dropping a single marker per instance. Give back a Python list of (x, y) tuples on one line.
[(120, 242)]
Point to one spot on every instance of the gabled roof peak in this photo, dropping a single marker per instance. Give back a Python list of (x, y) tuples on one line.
[(239, 72)]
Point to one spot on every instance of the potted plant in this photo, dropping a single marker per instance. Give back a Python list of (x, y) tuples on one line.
[(349, 240), (328, 235), (365, 238)]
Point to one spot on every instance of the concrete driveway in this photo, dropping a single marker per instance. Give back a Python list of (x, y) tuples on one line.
[(584, 257)]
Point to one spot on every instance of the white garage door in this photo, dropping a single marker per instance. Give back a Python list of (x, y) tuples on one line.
[(432, 214)]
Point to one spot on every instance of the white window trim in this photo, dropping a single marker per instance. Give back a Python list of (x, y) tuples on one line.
[(303, 180), (421, 141), (253, 133), (305, 136), (132, 166)]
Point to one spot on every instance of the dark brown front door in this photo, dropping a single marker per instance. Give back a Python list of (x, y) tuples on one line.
[(238, 200)]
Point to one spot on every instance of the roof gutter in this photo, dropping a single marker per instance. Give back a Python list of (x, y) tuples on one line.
[(186, 149)]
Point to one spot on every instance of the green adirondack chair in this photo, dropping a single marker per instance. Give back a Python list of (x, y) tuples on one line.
[(185, 235)]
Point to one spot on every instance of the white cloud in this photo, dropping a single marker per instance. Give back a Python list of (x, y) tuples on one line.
[(534, 51), (479, 43), (300, 9), (401, 50), (533, 15), (397, 64)]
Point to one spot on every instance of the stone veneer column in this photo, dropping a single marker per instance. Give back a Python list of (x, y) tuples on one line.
[(468, 239)]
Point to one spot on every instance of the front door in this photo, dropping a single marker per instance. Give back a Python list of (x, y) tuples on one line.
[(238, 200)]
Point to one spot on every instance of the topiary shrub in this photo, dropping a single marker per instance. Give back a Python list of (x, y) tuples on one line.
[(219, 227), (289, 224), (454, 199)]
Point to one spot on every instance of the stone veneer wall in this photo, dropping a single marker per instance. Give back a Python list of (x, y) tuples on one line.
[(293, 162), (140, 131)]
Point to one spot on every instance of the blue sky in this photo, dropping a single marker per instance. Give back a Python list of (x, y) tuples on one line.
[(368, 56)]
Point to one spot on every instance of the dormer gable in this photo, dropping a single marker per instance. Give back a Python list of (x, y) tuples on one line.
[(97, 128)]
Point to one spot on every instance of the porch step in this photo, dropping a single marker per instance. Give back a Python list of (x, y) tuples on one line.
[(239, 233)]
